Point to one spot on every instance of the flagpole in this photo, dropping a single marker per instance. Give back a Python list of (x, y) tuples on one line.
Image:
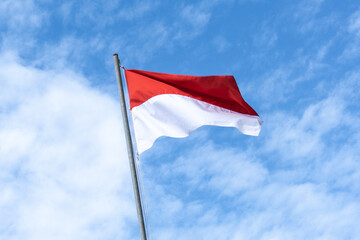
[(130, 149)]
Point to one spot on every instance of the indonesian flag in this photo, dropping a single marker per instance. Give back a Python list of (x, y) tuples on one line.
[(175, 105)]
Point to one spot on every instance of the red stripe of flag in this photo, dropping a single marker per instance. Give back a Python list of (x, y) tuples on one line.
[(220, 91)]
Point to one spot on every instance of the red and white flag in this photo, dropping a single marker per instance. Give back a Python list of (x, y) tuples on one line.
[(174, 105)]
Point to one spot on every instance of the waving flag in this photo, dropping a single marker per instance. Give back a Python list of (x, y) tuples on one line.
[(175, 105)]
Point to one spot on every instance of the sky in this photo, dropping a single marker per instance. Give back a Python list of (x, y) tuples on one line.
[(64, 172)]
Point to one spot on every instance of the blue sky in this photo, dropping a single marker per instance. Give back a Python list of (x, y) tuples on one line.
[(64, 171)]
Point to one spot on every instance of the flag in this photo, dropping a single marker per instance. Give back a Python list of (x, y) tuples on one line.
[(174, 105)]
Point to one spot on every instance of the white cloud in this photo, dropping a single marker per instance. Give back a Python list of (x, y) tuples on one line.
[(267, 37), (299, 211), (194, 19), (68, 49), (309, 18), (235, 172), (138, 9), (21, 15), (354, 23), (196, 16), (302, 137), (309, 7), (221, 44), (20, 21), (352, 48), (278, 84), (64, 172), (97, 15)]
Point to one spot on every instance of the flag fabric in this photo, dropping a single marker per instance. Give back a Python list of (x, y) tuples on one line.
[(174, 105)]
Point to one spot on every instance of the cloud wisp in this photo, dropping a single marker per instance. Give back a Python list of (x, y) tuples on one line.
[(63, 170)]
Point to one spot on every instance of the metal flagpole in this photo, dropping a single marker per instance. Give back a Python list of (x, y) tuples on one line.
[(130, 149)]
